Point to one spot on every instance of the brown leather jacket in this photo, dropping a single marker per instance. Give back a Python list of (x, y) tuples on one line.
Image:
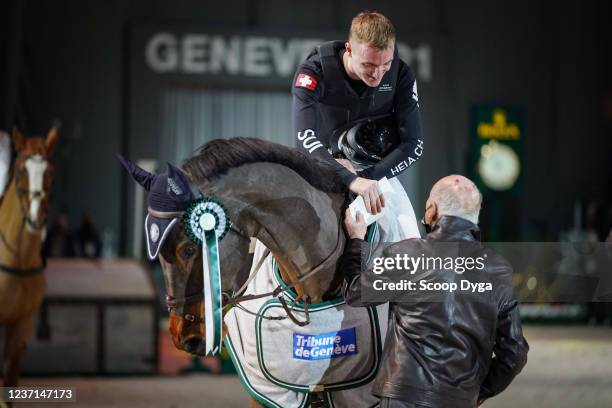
[(439, 352)]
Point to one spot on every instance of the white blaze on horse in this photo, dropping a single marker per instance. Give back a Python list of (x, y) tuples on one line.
[(23, 214), (293, 205)]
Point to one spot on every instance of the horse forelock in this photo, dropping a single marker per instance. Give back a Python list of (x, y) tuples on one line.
[(34, 145), (216, 157)]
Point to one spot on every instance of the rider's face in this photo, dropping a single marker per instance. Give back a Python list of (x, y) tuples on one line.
[(368, 63)]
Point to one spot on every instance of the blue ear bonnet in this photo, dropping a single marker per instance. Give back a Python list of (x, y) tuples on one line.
[(169, 192)]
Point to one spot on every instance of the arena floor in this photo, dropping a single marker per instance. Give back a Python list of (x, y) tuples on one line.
[(568, 367)]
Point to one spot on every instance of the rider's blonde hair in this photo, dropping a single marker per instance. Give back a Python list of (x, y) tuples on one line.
[(373, 29)]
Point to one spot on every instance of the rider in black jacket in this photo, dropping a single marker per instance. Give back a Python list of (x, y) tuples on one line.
[(439, 347), (342, 83)]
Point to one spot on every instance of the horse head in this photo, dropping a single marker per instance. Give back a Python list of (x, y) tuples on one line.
[(33, 175), (180, 255), (267, 191)]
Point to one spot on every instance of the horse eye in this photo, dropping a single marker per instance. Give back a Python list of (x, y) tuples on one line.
[(188, 251)]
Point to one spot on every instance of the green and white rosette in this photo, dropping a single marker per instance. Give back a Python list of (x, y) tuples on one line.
[(206, 222)]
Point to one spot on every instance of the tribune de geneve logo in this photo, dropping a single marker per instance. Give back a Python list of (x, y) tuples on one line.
[(324, 346)]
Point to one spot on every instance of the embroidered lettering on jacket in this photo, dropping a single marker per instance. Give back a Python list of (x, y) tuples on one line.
[(403, 165), (309, 140)]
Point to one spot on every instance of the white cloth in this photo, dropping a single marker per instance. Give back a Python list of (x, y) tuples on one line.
[(398, 221)]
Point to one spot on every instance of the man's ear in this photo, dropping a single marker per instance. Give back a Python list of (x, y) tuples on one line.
[(347, 47), (431, 212)]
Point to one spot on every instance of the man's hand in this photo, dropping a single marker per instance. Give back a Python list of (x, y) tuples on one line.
[(372, 196), (355, 228), (347, 165)]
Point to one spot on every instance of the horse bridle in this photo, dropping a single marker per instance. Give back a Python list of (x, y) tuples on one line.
[(236, 298), (173, 302)]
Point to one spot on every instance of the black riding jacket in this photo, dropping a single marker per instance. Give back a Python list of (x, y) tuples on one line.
[(325, 100), (439, 347)]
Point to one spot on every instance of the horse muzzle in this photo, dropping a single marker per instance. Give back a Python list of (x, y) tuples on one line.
[(195, 345), (187, 335)]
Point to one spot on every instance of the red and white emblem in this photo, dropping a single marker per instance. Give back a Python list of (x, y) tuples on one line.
[(306, 81)]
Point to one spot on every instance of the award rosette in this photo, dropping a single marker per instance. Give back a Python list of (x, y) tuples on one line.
[(206, 222)]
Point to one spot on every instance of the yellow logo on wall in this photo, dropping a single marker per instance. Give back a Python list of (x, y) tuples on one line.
[(499, 128)]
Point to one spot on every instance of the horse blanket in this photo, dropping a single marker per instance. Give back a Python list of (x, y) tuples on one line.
[(338, 354)]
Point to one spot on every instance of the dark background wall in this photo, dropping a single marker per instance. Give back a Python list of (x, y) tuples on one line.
[(66, 59)]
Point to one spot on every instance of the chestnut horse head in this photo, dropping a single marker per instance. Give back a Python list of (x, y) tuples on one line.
[(33, 175), (24, 205)]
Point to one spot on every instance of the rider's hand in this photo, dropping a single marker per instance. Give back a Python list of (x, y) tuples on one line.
[(354, 228), (372, 196), (347, 165)]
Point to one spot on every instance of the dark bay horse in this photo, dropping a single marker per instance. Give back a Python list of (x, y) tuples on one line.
[(23, 214), (291, 203)]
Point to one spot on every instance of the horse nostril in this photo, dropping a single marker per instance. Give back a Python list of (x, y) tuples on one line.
[(195, 345)]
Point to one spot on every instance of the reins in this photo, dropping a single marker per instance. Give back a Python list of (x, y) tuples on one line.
[(236, 298)]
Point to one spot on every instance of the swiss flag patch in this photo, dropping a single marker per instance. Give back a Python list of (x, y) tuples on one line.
[(306, 81)]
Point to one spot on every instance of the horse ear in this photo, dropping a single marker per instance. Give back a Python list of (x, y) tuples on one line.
[(51, 140), (140, 175), (18, 140)]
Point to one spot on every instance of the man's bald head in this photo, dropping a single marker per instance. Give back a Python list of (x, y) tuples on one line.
[(457, 196)]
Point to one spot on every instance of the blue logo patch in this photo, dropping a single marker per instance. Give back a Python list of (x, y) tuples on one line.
[(324, 346)]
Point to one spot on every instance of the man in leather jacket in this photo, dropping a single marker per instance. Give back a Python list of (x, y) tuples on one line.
[(444, 349)]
